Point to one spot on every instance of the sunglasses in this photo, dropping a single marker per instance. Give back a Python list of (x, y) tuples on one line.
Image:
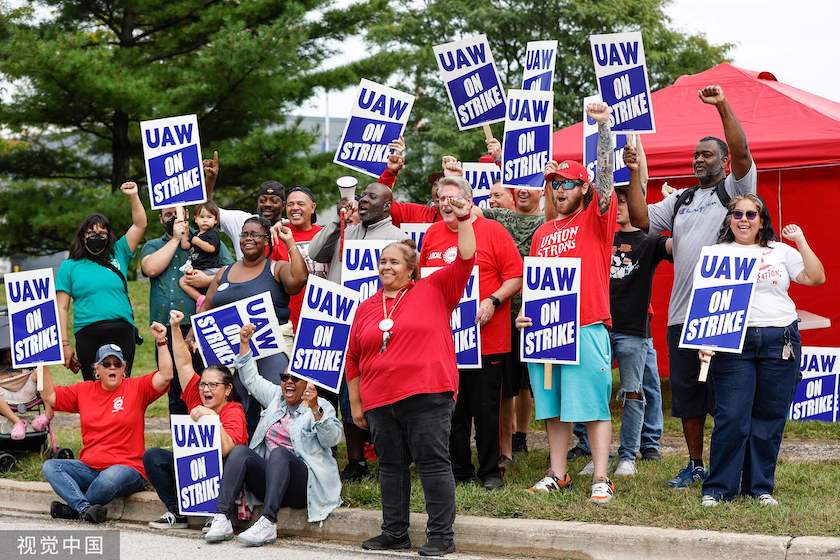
[(111, 364), (566, 185), (750, 214), (286, 376)]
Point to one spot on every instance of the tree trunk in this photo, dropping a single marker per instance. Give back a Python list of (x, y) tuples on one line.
[(120, 150)]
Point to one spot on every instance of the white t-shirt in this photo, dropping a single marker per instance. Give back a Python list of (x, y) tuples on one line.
[(771, 304), (231, 222)]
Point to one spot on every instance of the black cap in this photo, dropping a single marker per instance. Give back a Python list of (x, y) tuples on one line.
[(311, 195), (273, 188)]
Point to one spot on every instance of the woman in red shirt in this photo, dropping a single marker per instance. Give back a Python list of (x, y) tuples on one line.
[(402, 380), (211, 393), (112, 410)]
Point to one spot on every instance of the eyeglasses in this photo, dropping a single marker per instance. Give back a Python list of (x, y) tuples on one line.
[(252, 235), (566, 185), (210, 385), (108, 364), (286, 376), (750, 214)]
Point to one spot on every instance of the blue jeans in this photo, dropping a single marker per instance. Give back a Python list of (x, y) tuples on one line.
[(81, 486), (753, 391), (654, 422)]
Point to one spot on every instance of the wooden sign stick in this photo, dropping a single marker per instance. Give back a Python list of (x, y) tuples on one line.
[(39, 377), (488, 134), (547, 376)]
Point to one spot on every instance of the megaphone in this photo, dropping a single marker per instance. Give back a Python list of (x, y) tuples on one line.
[(347, 186)]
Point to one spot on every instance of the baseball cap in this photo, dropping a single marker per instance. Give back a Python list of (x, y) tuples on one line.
[(310, 194), (108, 350), (273, 188), (569, 169)]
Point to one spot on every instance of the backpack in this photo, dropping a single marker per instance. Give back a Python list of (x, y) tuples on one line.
[(687, 196)]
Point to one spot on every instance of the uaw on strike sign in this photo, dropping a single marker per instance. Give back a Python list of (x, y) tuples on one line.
[(466, 333), (481, 177), (551, 299), (172, 152), (33, 318), (816, 395), (197, 449), (527, 138)]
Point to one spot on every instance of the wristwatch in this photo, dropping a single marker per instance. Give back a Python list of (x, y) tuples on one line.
[(494, 300)]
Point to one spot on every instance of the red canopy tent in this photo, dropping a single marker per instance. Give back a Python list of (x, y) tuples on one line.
[(794, 137)]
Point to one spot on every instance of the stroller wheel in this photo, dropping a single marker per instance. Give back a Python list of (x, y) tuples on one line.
[(7, 462), (64, 453)]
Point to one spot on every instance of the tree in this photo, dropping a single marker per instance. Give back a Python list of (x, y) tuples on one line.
[(84, 73), (413, 27)]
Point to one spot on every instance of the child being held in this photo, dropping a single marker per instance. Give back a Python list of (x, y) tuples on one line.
[(203, 248)]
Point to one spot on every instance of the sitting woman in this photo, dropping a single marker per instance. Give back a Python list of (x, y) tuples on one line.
[(754, 389), (289, 461), (211, 393), (112, 411)]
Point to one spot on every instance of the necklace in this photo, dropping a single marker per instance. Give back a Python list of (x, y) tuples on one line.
[(387, 323), (570, 220)]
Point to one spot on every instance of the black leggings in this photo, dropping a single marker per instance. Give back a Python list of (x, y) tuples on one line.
[(279, 481), (90, 338)]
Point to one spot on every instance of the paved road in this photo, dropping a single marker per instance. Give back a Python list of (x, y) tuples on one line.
[(139, 543)]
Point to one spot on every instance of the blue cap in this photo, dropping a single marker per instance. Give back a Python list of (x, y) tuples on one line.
[(108, 350)]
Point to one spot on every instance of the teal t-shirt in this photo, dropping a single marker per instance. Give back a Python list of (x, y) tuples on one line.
[(98, 294)]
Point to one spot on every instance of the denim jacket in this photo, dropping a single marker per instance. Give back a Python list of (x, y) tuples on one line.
[(312, 440)]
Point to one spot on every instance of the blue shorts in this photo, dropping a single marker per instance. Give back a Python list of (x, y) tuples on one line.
[(578, 393)]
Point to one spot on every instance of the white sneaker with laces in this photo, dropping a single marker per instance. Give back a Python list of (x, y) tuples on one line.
[(626, 467), (709, 501), (767, 500), (551, 484), (207, 525), (588, 470), (602, 491), (169, 521), (260, 533), (220, 529)]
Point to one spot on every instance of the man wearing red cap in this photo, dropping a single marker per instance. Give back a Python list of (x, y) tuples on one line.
[(584, 228)]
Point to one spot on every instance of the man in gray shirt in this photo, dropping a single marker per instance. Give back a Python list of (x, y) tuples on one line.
[(694, 216)]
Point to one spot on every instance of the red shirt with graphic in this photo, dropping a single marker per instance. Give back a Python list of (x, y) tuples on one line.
[(231, 417), (281, 253), (498, 260), (112, 422), (589, 235)]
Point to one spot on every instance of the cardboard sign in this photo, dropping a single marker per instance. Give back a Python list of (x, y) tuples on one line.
[(360, 265), (538, 69), (623, 80), (474, 88), (323, 333), (172, 151), (197, 448), (415, 231), (816, 395), (526, 147), (466, 333), (551, 298), (621, 174), (34, 327), (378, 117), (719, 308), (481, 177), (217, 331)]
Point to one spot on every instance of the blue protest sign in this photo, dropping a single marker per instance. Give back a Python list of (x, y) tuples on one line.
[(538, 69), (33, 318), (360, 265), (217, 331), (551, 299), (197, 449), (415, 231), (719, 308), (481, 177), (466, 334), (817, 393), (323, 333), (623, 80), (172, 152), (621, 174), (472, 82), (378, 117), (526, 145)]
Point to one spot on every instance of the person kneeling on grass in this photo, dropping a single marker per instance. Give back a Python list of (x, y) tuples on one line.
[(211, 393), (112, 411), (289, 461)]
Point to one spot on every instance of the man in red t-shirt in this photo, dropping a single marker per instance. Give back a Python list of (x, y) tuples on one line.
[(584, 228), (500, 277), (112, 412)]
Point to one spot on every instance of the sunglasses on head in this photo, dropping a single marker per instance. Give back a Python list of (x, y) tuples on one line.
[(286, 376), (750, 214), (565, 184)]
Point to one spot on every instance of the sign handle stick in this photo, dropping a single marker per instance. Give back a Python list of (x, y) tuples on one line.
[(179, 213), (39, 377), (631, 140), (547, 376), (488, 134), (704, 371)]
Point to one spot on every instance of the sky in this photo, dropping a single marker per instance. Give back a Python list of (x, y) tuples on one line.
[(798, 42)]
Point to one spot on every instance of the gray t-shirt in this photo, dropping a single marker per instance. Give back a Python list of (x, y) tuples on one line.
[(697, 225)]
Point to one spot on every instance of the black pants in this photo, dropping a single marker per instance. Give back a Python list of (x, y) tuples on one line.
[(160, 468), (280, 481), (415, 428), (478, 403), (176, 405), (90, 338)]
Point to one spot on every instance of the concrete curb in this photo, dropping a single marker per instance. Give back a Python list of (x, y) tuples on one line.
[(532, 537)]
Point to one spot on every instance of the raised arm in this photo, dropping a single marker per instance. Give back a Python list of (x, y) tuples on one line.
[(292, 274), (134, 235), (636, 197), (163, 376), (259, 387), (739, 151), (183, 360), (155, 264), (606, 154), (211, 173), (643, 168), (466, 234), (550, 208), (814, 273)]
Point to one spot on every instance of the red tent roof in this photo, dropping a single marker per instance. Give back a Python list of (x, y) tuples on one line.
[(785, 126)]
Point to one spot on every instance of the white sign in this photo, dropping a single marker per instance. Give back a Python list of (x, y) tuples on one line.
[(526, 148), (481, 177), (466, 333), (360, 265), (197, 449), (172, 152), (816, 396), (551, 299), (415, 231), (538, 69), (34, 327)]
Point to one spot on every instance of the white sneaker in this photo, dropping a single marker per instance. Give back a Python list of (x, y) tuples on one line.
[(220, 529), (602, 492), (588, 470), (260, 533), (626, 467), (169, 521), (767, 500), (709, 501)]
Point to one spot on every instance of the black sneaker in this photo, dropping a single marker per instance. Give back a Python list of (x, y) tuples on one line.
[(60, 510), (169, 520), (94, 514), (577, 451), (651, 455), (520, 443), (355, 471), (492, 482), (436, 547), (387, 542)]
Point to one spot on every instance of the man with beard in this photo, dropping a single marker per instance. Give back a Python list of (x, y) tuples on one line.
[(374, 210), (694, 216)]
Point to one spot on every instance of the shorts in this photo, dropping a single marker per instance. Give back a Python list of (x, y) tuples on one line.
[(579, 393), (689, 397)]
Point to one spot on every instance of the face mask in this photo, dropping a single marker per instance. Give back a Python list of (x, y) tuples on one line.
[(169, 226), (96, 244)]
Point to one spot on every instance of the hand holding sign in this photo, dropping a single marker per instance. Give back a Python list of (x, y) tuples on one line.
[(494, 148), (310, 397), (631, 157), (713, 95), (452, 167), (129, 188), (200, 411), (599, 111), (523, 322)]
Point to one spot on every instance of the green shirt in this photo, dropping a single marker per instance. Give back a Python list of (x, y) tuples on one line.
[(98, 293), (164, 291)]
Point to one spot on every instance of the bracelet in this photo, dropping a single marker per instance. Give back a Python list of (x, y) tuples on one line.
[(161, 342), (464, 218), (65, 343)]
